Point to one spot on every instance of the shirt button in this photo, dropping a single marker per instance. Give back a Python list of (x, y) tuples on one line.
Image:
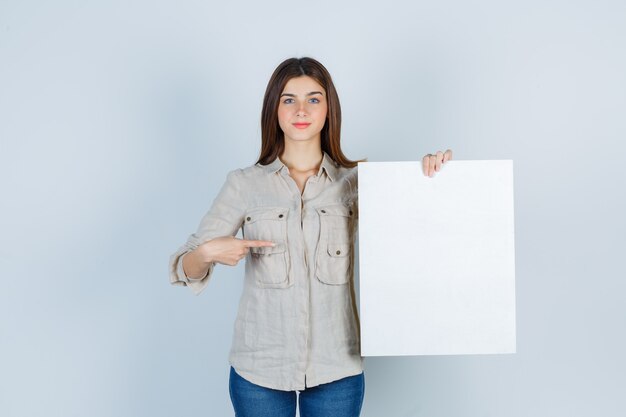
[(338, 252), (280, 216), (323, 211), (248, 218)]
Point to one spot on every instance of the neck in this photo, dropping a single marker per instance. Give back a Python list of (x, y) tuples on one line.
[(302, 157)]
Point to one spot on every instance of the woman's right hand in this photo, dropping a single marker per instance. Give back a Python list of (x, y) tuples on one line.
[(228, 250)]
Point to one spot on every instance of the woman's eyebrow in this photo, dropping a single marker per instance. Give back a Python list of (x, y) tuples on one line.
[(308, 94)]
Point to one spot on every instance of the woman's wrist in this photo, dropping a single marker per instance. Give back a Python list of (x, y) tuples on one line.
[(205, 253), (194, 264)]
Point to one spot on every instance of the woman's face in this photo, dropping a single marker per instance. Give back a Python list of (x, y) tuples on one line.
[(302, 109)]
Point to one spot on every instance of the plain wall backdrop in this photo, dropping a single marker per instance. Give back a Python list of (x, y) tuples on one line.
[(119, 121)]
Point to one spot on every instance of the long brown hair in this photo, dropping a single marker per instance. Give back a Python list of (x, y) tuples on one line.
[(272, 136)]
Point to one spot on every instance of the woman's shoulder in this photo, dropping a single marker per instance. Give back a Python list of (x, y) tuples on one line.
[(257, 171), (247, 173), (254, 170), (349, 174)]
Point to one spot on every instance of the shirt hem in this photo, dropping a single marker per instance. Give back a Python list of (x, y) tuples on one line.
[(311, 382)]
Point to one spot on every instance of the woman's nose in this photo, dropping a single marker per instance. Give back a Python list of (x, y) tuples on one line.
[(301, 110)]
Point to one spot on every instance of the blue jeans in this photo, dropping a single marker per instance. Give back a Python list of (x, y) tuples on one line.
[(342, 398)]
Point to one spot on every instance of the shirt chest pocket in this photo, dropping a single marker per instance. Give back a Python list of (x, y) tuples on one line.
[(268, 265), (333, 264)]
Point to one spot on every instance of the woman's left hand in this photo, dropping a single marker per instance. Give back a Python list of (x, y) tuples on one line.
[(432, 163)]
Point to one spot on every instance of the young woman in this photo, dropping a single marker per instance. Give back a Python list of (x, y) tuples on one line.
[(297, 327)]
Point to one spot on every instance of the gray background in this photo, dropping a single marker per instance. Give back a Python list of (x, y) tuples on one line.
[(119, 121)]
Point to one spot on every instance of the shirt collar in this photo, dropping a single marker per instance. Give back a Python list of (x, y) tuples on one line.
[(327, 165)]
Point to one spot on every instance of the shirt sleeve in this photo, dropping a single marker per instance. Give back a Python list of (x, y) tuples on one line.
[(224, 218)]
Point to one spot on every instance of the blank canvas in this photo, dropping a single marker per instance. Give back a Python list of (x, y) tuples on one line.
[(436, 258)]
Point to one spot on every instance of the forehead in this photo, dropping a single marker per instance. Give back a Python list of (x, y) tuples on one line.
[(302, 85)]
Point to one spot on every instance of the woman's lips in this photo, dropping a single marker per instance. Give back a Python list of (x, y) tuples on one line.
[(302, 125)]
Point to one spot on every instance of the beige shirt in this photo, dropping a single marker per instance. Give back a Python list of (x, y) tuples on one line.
[(297, 325)]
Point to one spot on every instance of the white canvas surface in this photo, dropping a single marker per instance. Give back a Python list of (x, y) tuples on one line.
[(437, 258)]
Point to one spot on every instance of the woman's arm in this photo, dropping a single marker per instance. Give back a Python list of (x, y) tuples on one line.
[(226, 250), (224, 218)]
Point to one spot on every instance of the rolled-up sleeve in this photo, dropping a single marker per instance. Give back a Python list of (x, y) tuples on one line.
[(224, 218)]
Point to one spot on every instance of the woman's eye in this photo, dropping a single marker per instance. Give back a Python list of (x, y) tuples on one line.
[(287, 101), (315, 100)]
